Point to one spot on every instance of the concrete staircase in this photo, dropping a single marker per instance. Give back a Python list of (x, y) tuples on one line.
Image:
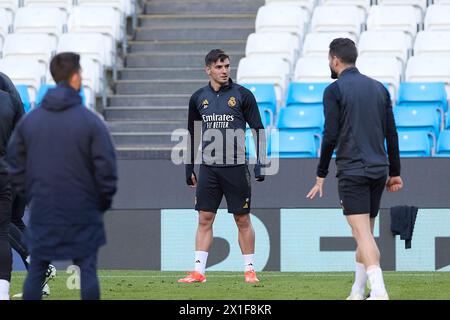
[(164, 67)]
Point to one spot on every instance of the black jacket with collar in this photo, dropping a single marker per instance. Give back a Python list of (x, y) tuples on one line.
[(358, 119)]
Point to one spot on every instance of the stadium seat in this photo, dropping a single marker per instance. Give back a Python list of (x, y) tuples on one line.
[(394, 18), (25, 72), (310, 119), (45, 87), (419, 5), (306, 4), (317, 44), (92, 83), (385, 44), (305, 94), (437, 18), (9, 7), (414, 144), (443, 145), (89, 45), (5, 25), (24, 96), (418, 119), (441, 2), (383, 69), (40, 20), (312, 69), (292, 144), (432, 43), (264, 94), (281, 18), (250, 149), (65, 5), (34, 46), (361, 4), (283, 45), (429, 69), (104, 20), (423, 94), (337, 19), (275, 71)]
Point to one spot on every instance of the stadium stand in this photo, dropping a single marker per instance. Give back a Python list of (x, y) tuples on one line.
[(432, 43), (266, 98), (316, 43), (304, 119), (414, 144), (305, 94), (292, 144), (337, 19), (436, 18), (306, 4), (312, 69), (64, 5)]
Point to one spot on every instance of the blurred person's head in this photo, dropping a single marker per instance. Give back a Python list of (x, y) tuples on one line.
[(217, 66), (65, 68), (342, 54)]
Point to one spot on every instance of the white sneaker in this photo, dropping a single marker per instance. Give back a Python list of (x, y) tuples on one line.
[(382, 297), (355, 296), (18, 295)]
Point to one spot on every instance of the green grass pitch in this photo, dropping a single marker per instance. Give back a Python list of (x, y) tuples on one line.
[(156, 285)]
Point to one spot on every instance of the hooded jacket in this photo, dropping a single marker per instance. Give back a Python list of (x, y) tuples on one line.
[(61, 157)]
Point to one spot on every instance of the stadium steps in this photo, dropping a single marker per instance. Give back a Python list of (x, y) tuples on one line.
[(165, 66), (165, 74)]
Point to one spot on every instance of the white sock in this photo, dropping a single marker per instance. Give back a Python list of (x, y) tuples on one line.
[(249, 261), (200, 261), (359, 286), (375, 276), (4, 290)]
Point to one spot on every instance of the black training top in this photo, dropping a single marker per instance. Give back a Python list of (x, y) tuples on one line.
[(358, 119), (223, 115)]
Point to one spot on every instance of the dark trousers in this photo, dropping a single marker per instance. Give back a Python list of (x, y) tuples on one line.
[(5, 219), (17, 228), (90, 288)]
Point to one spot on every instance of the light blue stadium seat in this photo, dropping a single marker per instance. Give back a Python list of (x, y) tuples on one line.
[(301, 119), (292, 144), (443, 145), (266, 117), (414, 144), (45, 87), (423, 94), (418, 118), (305, 94), (447, 123), (250, 149), (24, 96), (264, 94)]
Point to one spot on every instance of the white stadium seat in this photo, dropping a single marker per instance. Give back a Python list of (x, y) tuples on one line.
[(33, 46), (281, 18), (92, 83), (119, 5), (40, 20), (383, 69), (273, 70), (4, 26), (65, 5), (420, 5), (104, 20), (24, 71), (385, 43), (437, 18), (89, 45), (10, 6), (317, 44), (441, 2), (362, 4), (283, 45), (432, 43), (394, 18), (307, 4), (312, 69), (428, 69), (337, 19)]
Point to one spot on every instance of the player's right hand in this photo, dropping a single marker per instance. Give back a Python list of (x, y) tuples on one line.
[(394, 184), (318, 188), (191, 178)]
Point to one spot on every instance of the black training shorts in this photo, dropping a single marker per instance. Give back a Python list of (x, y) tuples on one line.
[(232, 181), (361, 194)]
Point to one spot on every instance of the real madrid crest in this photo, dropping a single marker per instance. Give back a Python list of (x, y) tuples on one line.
[(232, 102)]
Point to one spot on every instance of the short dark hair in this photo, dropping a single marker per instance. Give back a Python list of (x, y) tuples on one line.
[(64, 65), (214, 56), (344, 49)]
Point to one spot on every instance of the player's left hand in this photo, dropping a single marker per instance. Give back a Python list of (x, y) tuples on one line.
[(318, 188), (259, 176)]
